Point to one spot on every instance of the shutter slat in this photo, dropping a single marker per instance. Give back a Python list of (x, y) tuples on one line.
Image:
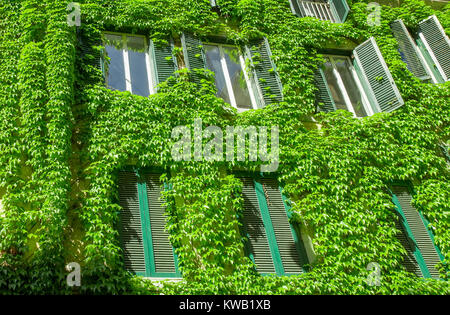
[(287, 247), (373, 70), (418, 229), (438, 42), (131, 227), (408, 50), (254, 228), (162, 248)]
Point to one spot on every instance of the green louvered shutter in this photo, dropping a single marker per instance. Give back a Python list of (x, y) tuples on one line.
[(253, 228), (286, 238), (376, 78), (92, 56), (419, 232), (445, 151), (264, 71), (164, 62), (130, 224), (194, 55), (163, 262), (409, 261), (340, 9), (408, 50), (324, 101), (437, 43)]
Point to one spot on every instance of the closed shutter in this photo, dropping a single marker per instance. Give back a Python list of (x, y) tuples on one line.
[(340, 10), (376, 78), (288, 247), (92, 56), (164, 62), (194, 55), (130, 224), (437, 43), (419, 233), (254, 230), (264, 71), (409, 261), (324, 101), (408, 50), (163, 255)]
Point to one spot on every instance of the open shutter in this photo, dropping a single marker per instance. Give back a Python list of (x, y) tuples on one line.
[(324, 101), (92, 56), (340, 10), (408, 50), (428, 257), (286, 238), (264, 71), (437, 43), (253, 228), (295, 8), (194, 55), (409, 260), (164, 62), (376, 78), (162, 260), (130, 224)]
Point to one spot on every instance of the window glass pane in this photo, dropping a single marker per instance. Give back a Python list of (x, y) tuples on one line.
[(343, 66), (240, 89), (116, 71), (333, 85), (213, 64), (138, 67)]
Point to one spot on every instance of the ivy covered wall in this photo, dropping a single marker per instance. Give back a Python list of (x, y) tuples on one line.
[(64, 137)]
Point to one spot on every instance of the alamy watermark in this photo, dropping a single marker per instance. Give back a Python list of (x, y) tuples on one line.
[(74, 277), (213, 150), (374, 278), (74, 16), (374, 17)]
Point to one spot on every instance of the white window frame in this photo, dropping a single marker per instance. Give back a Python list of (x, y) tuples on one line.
[(126, 62), (227, 77), (365, 101)]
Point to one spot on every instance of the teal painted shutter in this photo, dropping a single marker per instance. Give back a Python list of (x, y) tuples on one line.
[(324, 101), (264, 72), (287, 241), (445, 151), (164, 62), (340, 9), (429, 257), (376, 78), (409, 261), (254, 230), (130, 224), (432, 33), (408, 50), (194, 55), (163, 260)]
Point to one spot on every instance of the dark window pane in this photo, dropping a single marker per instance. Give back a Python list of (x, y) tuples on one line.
[(138, 66), (213, 64), (116, 71), (333, 85), (343, 67), (237, 77)]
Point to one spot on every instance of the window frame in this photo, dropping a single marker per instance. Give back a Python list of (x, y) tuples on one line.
[(126, 62), (226, 74), (366, 103)]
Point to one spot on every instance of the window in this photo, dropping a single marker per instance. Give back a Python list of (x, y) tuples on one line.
[(145, 242), (344, 86), (253, 87), (129, 68), (422, 255), (232, 82), (335, 11), (273, 243), (363, 86)]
